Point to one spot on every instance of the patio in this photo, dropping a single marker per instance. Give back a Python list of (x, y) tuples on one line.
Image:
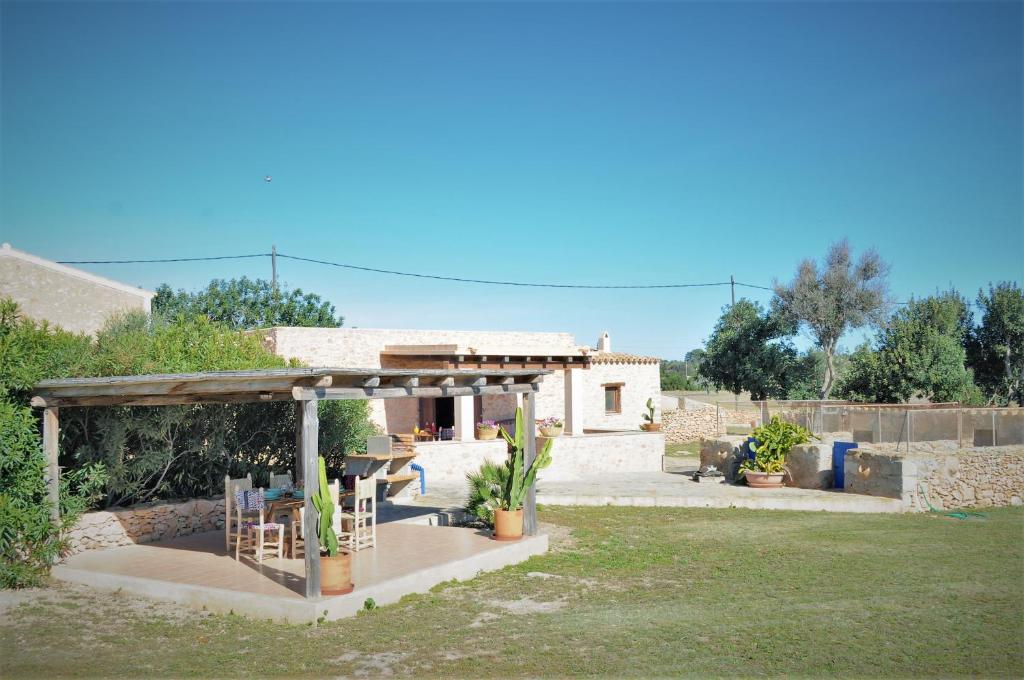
[(196, 571)]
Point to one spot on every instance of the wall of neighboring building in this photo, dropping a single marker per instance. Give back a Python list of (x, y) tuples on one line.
[(640, 383), (75, 304)]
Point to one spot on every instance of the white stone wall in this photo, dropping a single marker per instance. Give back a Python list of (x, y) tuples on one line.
[(145, 524), (75, 304), (445, 464), (604, 454), (641, 382)]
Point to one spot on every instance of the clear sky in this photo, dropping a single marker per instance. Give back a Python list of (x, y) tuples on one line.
[(589, 143)]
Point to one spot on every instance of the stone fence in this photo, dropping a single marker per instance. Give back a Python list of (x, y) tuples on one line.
[(145, 524), (965, 478), (691, 424)]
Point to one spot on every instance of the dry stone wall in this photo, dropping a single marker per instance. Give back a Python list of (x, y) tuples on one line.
[(966, 478), (687, 425), (145, 524)]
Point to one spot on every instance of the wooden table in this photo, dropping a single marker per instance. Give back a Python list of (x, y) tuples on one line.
[(293, 506)]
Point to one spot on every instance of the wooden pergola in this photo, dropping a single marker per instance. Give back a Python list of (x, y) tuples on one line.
[(305, 387)]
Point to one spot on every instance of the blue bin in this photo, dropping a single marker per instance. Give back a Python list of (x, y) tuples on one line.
[(839, 450)]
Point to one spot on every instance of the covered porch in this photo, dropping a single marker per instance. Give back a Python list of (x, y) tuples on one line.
[(195, 569)]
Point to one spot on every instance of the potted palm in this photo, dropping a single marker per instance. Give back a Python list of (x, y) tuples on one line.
[(335, 566), (771, 444), (551, 427), (487, 429), (497, 491), (649, 425)]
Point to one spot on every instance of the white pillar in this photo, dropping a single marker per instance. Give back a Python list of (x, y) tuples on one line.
[(465, 428), (573, 401)]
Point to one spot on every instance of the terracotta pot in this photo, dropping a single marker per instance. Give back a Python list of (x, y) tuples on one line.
[(508, 525), (336, 574), (764, 480), (551, 431), (486, 433), (651, 427)]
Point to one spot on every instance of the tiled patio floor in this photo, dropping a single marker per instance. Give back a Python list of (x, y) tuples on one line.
[(196, 570)]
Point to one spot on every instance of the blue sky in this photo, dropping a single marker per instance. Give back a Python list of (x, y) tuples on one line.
[(594, 143)]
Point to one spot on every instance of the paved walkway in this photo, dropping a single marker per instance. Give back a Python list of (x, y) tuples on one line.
[(673, 488)]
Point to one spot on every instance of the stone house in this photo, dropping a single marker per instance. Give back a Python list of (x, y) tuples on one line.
[(600, 395), (75, 300)]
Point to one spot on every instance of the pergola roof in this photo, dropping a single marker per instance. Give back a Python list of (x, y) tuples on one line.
[(262, 385)]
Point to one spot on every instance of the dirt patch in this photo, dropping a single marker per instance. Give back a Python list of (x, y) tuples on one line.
[(528, 606), (381, 664)]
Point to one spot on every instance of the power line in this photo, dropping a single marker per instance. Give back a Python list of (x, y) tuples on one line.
[(168, 259)]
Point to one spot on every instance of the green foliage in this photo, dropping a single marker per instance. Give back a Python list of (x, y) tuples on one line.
[(996, 347), (504, 487), (680, 375), (774, 441), (746, 352), (919, 353), (649, 414), (840, 296), (325, 511), (521, 479), (247, 303), (485, 490)]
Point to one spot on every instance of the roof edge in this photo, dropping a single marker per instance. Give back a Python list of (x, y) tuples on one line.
[(8, 250)]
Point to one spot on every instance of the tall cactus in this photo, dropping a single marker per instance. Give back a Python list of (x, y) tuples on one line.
[(520, 481), (325, 509), (649, 416)]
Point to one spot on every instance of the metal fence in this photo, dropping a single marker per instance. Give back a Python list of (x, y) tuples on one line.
[(903, 425)]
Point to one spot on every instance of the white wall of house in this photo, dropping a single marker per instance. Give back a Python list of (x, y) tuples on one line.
[(362, 347)]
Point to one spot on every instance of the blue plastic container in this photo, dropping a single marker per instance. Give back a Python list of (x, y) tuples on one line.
[(839, 450)]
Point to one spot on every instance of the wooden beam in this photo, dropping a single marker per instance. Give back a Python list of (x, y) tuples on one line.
[(372, 381), (300, 472), (43, 401), (447, 381), (309, 425), (529, 456), (356, 393), (406, 381), (51, 436)]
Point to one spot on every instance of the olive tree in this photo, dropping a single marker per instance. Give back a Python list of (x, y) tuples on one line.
[(996, 347), (832, 299)]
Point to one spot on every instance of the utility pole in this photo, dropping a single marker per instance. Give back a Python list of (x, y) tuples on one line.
[(273, 267), (732, 285)]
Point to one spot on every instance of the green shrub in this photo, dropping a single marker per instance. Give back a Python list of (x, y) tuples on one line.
[(773, 443)]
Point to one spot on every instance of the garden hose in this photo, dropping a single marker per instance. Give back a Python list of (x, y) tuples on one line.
[(959, 514)]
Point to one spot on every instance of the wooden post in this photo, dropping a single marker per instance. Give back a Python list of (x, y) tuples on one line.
[(960, 428), (309, 426), (51, 435), (299, 464), (530, 455)]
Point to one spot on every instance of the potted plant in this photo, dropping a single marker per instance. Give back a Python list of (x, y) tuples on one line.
[(487, 429), (771, 444), (649, 424), (335, 566), (497, 492), (551, 427)]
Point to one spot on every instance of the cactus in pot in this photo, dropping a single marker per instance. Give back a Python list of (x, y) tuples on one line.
[(335, 566), (649, 425), (509, 496)]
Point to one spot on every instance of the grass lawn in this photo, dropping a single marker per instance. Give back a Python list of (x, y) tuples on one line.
[(625, 592), (686, 449)]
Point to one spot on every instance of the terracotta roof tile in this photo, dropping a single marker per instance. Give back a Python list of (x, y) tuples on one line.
[(621, 358)]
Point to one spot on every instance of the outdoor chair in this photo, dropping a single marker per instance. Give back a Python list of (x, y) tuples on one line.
[(232, 530), (363, 517), (282, 481), (256, 530)]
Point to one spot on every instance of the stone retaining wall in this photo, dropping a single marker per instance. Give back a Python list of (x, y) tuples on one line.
[(688, 425), (145, 524), (966, 478)]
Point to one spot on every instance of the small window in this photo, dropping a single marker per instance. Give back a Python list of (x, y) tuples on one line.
[(613, 398)]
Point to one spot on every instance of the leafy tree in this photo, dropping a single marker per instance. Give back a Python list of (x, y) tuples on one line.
[(248, 303), (919, 353), (674, 376), (996, 346), (746, 351), (840, 296)]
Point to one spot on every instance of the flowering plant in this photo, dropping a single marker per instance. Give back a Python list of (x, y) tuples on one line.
[(551, 422), (487, 425)]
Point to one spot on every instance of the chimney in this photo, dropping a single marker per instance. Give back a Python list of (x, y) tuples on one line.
[(604, 343)]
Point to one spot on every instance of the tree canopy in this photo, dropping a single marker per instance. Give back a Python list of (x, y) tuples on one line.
[(747, 351), (248, 303), (995, 348), (831, 300)]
